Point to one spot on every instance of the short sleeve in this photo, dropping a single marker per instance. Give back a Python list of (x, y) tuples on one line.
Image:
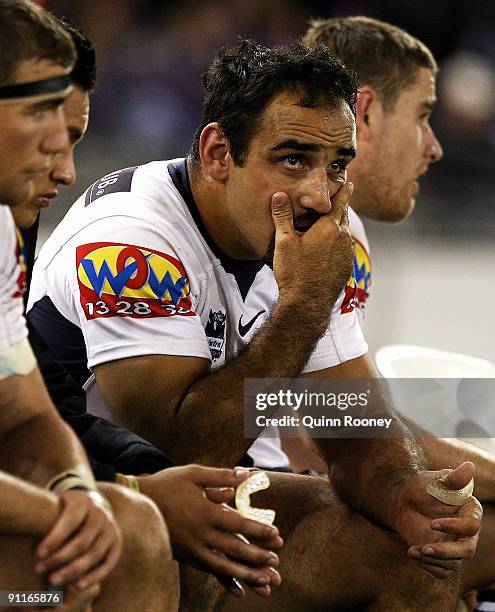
[(127, 290), (342, 341)]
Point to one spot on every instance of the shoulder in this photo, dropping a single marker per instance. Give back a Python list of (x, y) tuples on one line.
[(356, 227), (151, 180)]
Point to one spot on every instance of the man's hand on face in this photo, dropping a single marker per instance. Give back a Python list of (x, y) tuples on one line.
[(317, 262), (439, 535), (205, 532), (83, 545)]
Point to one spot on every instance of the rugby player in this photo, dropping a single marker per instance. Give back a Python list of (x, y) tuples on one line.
[(78, 542), (168, 282), (396, 145), (202, 535)]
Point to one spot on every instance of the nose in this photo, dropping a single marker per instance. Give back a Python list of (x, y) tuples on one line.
[(434, 151), (56, 138), (315, 194), (64, 171)]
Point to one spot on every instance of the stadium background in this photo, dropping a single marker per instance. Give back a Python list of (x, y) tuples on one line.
[(433, 276)]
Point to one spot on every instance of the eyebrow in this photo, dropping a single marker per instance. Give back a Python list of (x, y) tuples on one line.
[(314, 148)]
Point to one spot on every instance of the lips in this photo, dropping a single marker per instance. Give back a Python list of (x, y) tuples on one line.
[(43, 200)]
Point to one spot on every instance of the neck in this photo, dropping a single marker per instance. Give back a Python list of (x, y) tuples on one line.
[(209, 196)]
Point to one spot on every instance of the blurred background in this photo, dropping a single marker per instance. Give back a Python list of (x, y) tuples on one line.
[(433, 275)]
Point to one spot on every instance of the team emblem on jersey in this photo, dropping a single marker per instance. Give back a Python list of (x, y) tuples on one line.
[(357, 289), (129, 281), (21, 258), (215, 333)]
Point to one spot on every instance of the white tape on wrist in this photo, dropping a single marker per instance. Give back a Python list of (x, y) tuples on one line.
[(458, 497), (256, 482), (17, 360)]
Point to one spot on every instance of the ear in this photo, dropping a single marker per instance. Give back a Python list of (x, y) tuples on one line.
[(369, 112), (214, 152)]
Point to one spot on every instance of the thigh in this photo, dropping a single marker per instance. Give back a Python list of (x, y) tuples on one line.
[(480, 571), (334, 559)]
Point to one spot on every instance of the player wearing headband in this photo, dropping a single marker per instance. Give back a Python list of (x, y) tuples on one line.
[(56, 505)]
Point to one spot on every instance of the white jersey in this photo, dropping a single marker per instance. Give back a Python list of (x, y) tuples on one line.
[(132, 267), (358, 288), (12, 324)]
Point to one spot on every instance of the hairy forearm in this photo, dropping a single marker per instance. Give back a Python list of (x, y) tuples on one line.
[(26, 510), (35, 443), (450, 452), (369, 473), (212, 410)]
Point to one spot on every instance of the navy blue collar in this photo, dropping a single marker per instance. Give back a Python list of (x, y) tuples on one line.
[(244, 271)]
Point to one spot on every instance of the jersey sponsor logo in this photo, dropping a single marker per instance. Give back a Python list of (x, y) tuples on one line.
[(115, 182), (21, 258), (215, 333), (357, 290), (244, 329), (130, 281)]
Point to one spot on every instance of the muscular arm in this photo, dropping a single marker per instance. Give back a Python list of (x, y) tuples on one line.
[(26, 510), (368, 472), (35, 444), (194, 415)]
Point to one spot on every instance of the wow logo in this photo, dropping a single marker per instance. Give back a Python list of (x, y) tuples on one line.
[(357, 289), (126, 280)]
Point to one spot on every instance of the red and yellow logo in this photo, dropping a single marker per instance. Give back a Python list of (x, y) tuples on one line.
[(130, 281), (357, 289), (21, 258)]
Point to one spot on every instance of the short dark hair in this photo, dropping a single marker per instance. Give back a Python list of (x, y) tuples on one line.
[(384, 56), (242, 80), (29, 32), (84, 71)]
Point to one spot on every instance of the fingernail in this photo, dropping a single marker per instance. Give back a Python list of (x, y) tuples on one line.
[(273, 560), (429, 550), (277, 575), (43, 553), (415, 554), (238, 472), (436, 526), (262, 581), (56, 581)]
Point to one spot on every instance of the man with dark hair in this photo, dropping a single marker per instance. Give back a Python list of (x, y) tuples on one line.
[(111, 448), (397, 74), (169, 303)]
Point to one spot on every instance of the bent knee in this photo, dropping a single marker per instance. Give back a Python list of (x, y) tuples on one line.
[(142, 525)]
